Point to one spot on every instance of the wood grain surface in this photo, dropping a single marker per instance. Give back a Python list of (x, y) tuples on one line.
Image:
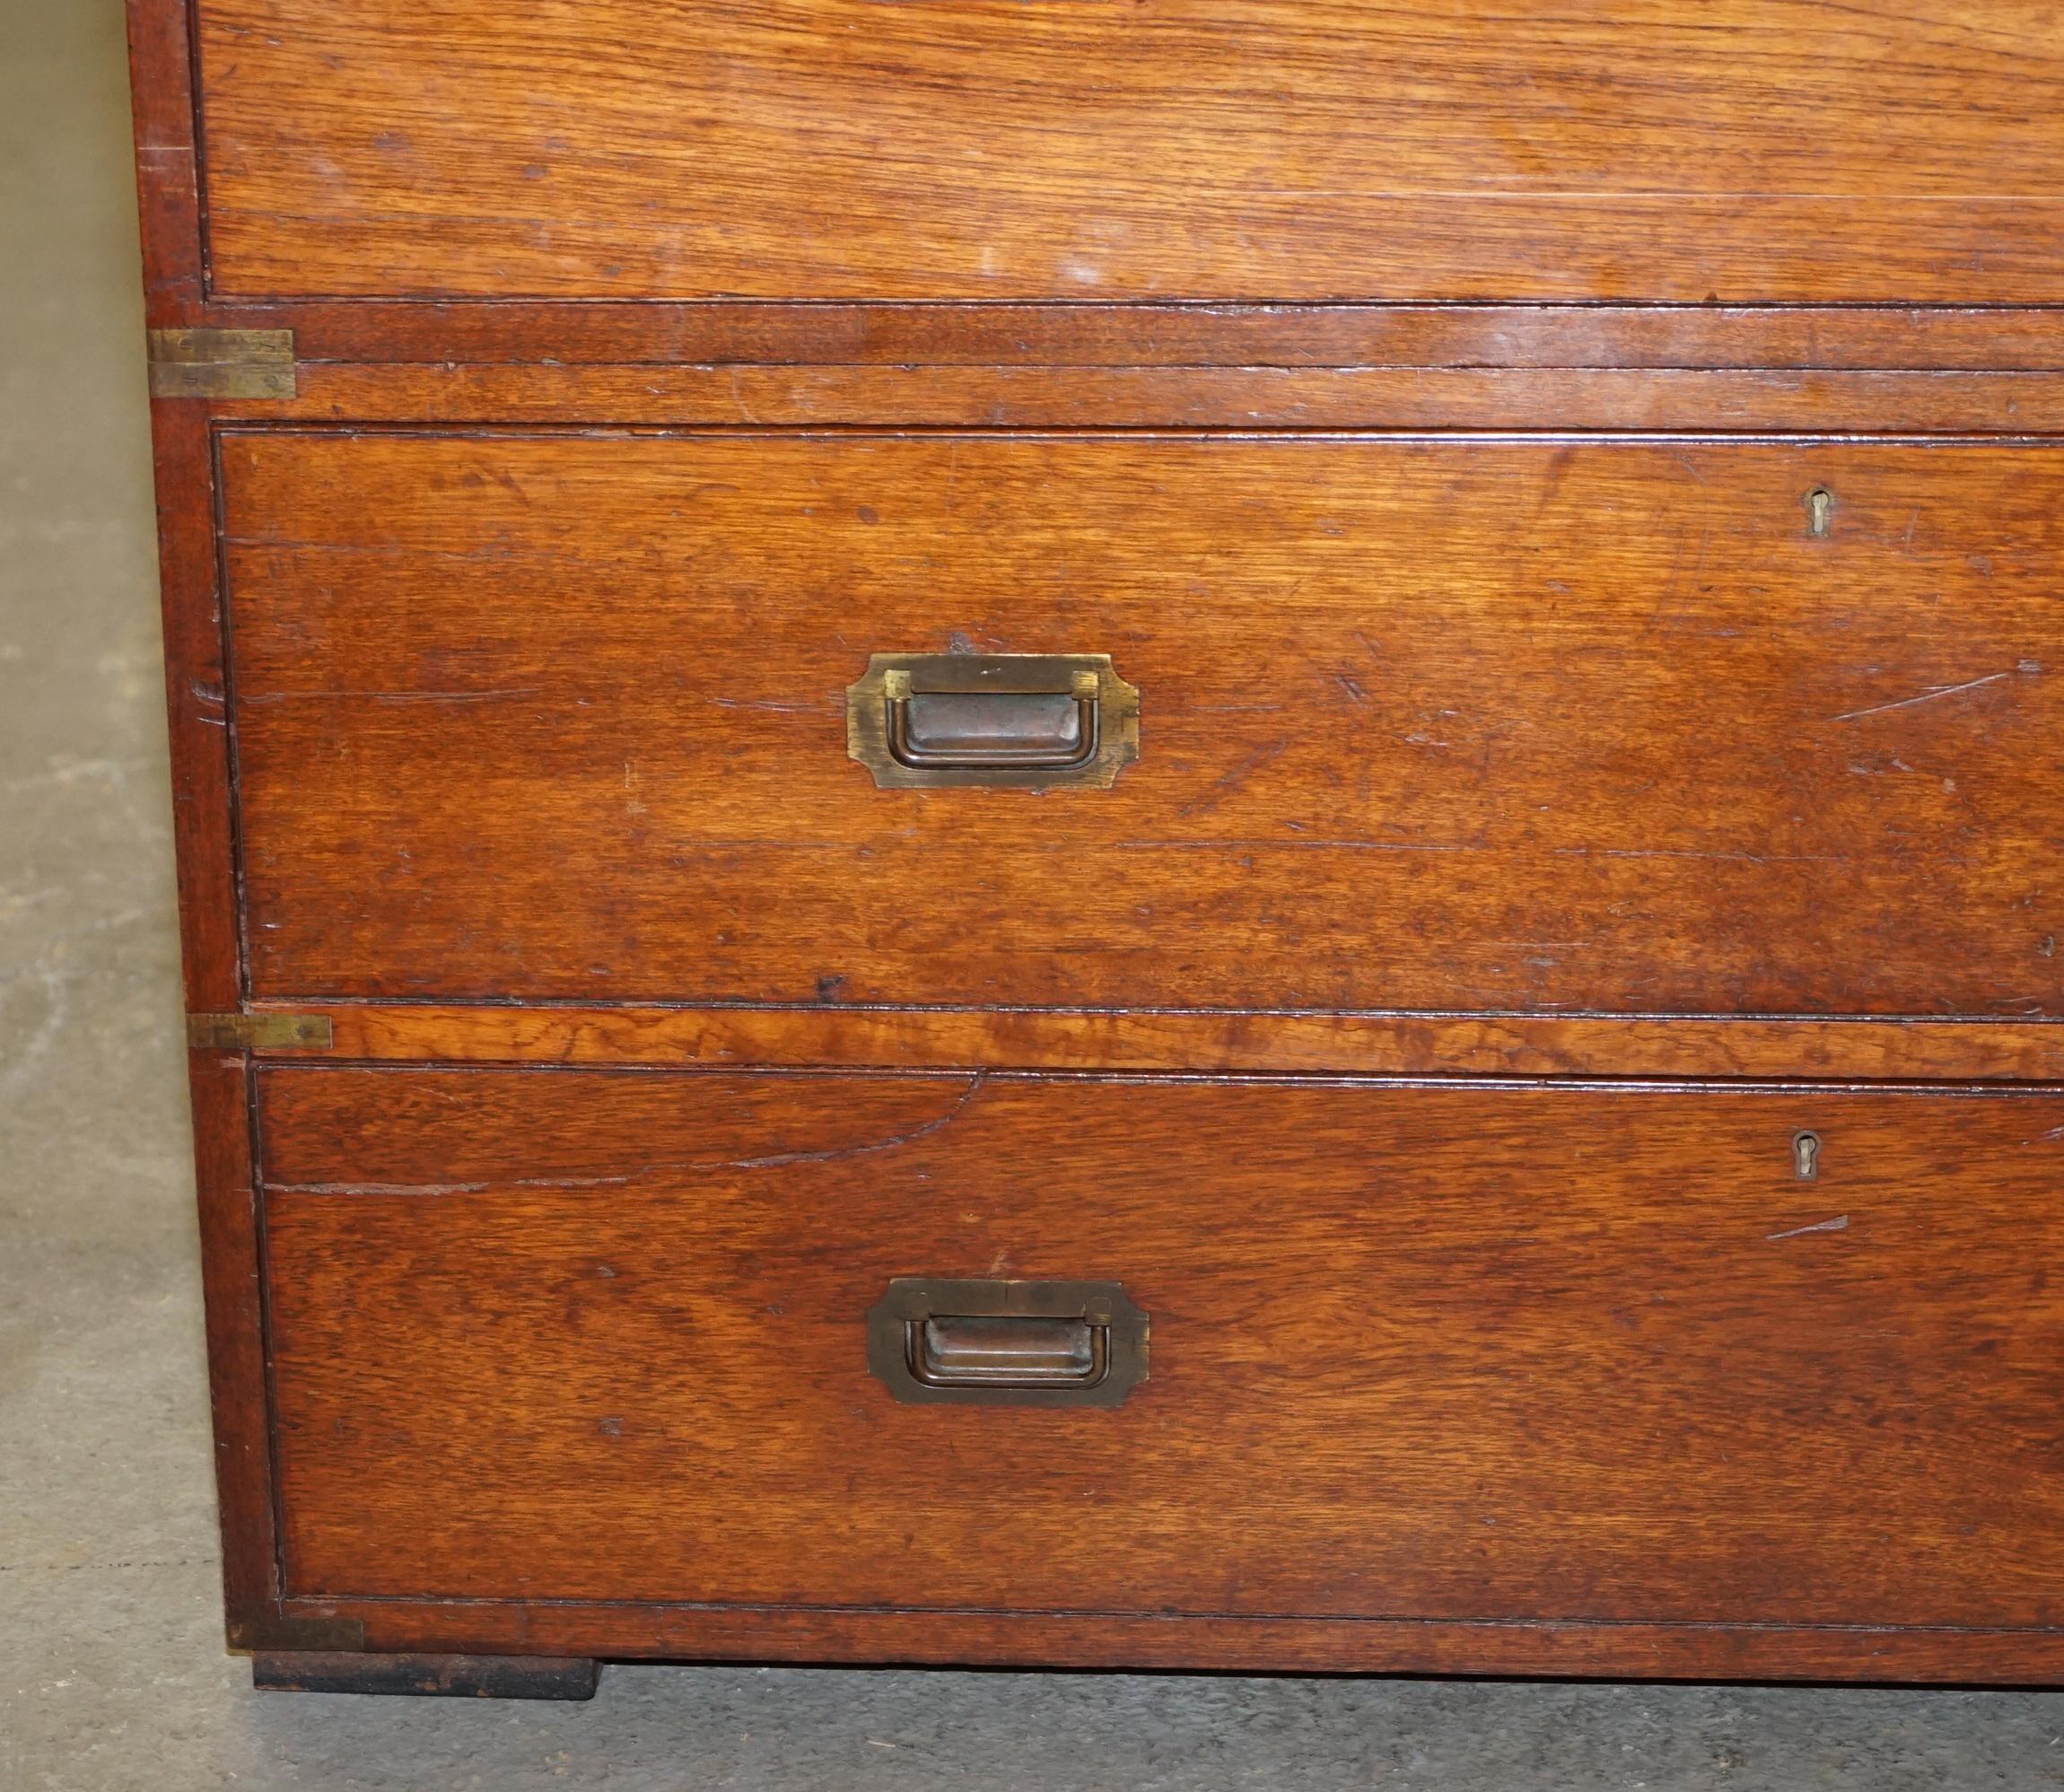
[(844, 1036), (602, 333), (1447, 725), (1435, 1351), (1758, 150), (1694, 400)]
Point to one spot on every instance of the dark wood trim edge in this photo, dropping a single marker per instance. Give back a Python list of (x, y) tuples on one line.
[(1861, 1654), (231, 1291), (273, 1634), (168, 178), (197, 704), (430, 1676), (168, 200)]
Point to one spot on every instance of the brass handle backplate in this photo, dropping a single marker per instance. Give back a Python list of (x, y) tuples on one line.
[(1033, 721), (939, 1340)]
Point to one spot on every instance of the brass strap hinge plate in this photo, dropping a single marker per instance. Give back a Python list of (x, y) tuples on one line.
[(260, 1032), (209, 363)]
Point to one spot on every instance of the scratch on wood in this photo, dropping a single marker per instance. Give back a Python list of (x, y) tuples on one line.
[(839, 1154), (448, 696), (1234, 777), (1839, 1224), (1735, 858), (1927, 696), (777, 1160), (1281, 845), (256, 699), (739, 398)]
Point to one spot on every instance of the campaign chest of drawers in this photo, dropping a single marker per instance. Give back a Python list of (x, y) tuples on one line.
[(1186, 833)]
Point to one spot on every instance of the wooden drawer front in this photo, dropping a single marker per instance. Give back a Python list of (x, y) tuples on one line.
[(1423, 724), (1752, 150), (1547, 1352)]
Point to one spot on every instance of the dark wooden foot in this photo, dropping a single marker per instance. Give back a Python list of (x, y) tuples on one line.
[(433, 1676)]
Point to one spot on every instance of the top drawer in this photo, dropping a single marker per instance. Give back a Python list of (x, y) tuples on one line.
[(1295, 150)]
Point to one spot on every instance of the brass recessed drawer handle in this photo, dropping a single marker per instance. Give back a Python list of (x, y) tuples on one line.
[(970, 1350), (979, 730), (1007, 1344), (1027, 720)]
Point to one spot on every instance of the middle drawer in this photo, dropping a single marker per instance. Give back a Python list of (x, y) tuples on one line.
[(1621, 725)]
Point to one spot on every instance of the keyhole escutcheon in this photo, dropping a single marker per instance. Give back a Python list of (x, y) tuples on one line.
[(1805, 1155)]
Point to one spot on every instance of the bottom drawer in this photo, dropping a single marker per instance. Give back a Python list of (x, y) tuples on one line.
[(1412, 1350)]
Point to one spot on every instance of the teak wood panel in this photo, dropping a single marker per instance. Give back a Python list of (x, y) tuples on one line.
[(1758, 150), (1435, 1351), (1433, 724)]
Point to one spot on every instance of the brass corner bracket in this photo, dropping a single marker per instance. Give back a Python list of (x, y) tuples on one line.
[(260, 1032), (221, 364)]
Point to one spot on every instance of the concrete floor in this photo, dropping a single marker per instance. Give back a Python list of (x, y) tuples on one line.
[(112, 1669)]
